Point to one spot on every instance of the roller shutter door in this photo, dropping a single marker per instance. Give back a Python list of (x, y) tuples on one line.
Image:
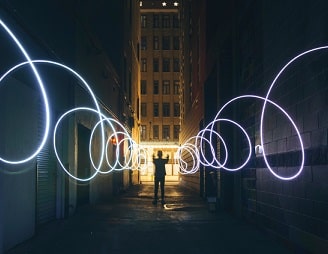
[(46, 178)]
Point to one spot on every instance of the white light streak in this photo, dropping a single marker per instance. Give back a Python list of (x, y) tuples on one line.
[(44, 97), (196, 151)]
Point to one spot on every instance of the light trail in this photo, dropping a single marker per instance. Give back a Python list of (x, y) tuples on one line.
[(196, 151), (44, 97)]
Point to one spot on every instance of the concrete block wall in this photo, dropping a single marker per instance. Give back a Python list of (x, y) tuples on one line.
[(296, 210)]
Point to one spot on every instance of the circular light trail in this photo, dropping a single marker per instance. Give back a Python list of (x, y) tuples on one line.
[(196, 151), (44, 97)]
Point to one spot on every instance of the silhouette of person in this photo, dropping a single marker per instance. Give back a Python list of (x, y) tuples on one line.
[(160, 173)]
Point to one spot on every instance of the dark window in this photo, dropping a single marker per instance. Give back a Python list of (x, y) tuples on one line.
[(176, 109), (143, 109), (156, 87), (176, 87), (176, 131), (176, 65), (155, 132), (165, 21), (156, 109), (166, 87), (143, 43), (166, 109), (143, 87), (143, 64), (155, 20), (176, 23), (166, 42), (156, 43), (166, 64), (143, 133), (143, 21), (155, 65), (176, 42), (166, 132)]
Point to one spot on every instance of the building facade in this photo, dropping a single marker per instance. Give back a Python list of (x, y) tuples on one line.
[(39, 190), (246, 44), (160, 84)]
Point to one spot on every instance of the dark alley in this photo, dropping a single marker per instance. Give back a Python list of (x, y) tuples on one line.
[(131, 224), (104, 101)]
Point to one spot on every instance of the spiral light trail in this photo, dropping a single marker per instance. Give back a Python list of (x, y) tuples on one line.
[(189, 156)]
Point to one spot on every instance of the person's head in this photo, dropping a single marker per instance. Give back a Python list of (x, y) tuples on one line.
[(160, 154)]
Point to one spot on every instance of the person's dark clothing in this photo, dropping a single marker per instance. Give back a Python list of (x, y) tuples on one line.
[(160, 173)]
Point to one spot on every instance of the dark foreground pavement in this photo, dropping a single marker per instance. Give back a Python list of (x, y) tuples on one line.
[(131, 224)]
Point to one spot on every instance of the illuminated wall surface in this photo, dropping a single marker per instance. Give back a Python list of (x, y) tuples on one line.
[(134, 154)]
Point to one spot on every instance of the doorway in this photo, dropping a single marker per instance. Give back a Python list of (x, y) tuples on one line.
[(83, 165)]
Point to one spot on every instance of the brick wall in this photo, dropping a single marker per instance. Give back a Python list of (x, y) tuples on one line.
[(297, 210)]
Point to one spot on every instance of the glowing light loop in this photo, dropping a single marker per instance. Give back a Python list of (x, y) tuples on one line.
[(196, 151), (44, 97)]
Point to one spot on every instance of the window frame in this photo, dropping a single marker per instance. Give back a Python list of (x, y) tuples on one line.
[(156, 109), (156, 87), (166, 85), (166, 65), (166, 109), (166, 130), (143, 87), (143, 21)]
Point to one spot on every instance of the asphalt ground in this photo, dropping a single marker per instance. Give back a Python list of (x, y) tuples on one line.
[(130, 223)]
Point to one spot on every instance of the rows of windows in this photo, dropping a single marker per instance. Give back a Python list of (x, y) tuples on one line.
[(166, 87), (168, 43), (166, 109), (155, 132), (166, 65), (160, 21)]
